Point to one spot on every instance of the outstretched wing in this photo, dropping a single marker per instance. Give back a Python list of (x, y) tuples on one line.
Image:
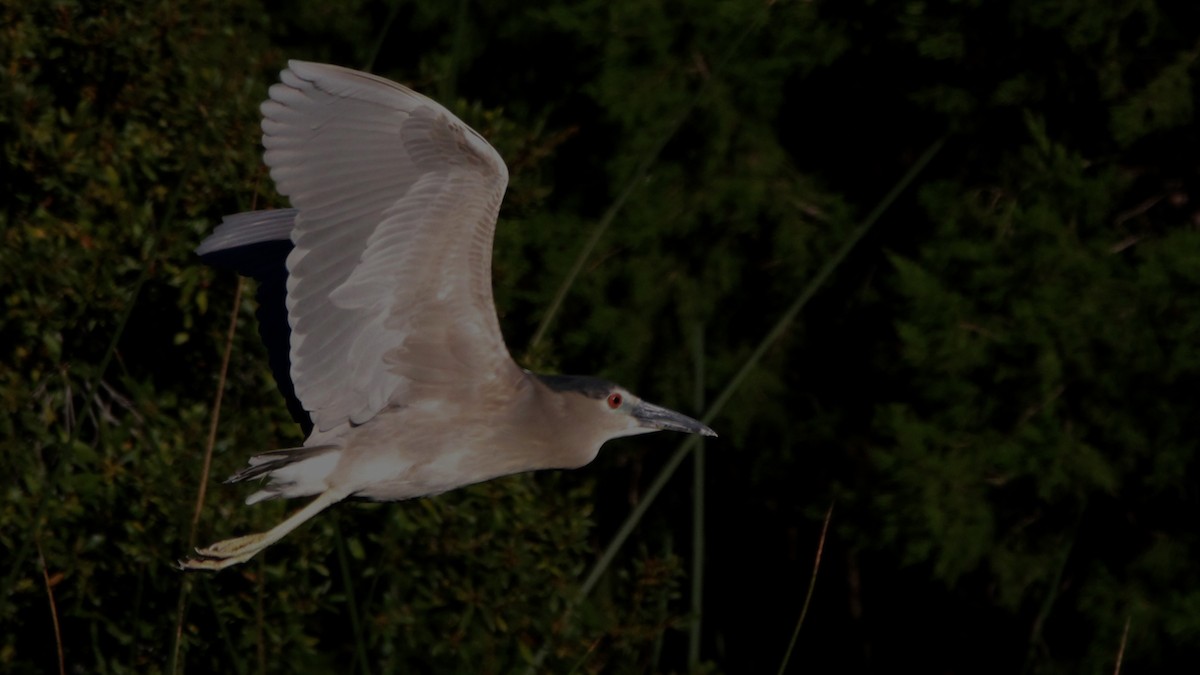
[(389, 288)]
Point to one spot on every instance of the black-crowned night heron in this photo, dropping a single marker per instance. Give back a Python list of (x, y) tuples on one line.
[(375, 296)]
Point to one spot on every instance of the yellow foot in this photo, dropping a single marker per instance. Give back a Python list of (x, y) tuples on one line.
[(226, 553), (240, 549)]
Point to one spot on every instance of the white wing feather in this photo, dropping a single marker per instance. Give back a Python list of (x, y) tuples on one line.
[(389, 286)]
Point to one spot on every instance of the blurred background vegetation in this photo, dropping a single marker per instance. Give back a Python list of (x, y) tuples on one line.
[(997, 390)]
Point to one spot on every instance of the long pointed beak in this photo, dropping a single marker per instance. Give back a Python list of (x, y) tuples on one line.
[(652, 416)]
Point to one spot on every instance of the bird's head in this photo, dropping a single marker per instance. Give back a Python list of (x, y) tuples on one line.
[(599, 410)]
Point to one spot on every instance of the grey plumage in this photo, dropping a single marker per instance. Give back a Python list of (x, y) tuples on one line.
[(386, 339)]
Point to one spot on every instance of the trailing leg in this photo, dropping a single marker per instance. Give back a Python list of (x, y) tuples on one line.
[(240, 549)]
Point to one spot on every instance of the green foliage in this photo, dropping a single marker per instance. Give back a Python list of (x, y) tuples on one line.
[(107, 119), (1046, 343), (1163, 104), (998, 388)]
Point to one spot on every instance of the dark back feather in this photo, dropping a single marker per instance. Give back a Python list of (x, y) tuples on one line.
[(266, 263)]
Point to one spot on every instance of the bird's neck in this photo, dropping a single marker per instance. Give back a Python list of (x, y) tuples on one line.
[(562, 441)]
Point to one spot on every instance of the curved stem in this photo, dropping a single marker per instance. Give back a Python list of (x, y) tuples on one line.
[(812, 584)]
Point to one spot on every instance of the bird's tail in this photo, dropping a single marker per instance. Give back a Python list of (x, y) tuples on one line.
[(293, 472)]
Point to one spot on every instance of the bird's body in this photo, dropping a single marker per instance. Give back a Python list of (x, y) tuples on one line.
[(376, 307), (423, 459)]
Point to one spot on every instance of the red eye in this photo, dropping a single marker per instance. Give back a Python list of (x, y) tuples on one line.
[(614, 401)]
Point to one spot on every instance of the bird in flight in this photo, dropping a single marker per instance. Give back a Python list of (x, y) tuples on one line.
[(375, 303)]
